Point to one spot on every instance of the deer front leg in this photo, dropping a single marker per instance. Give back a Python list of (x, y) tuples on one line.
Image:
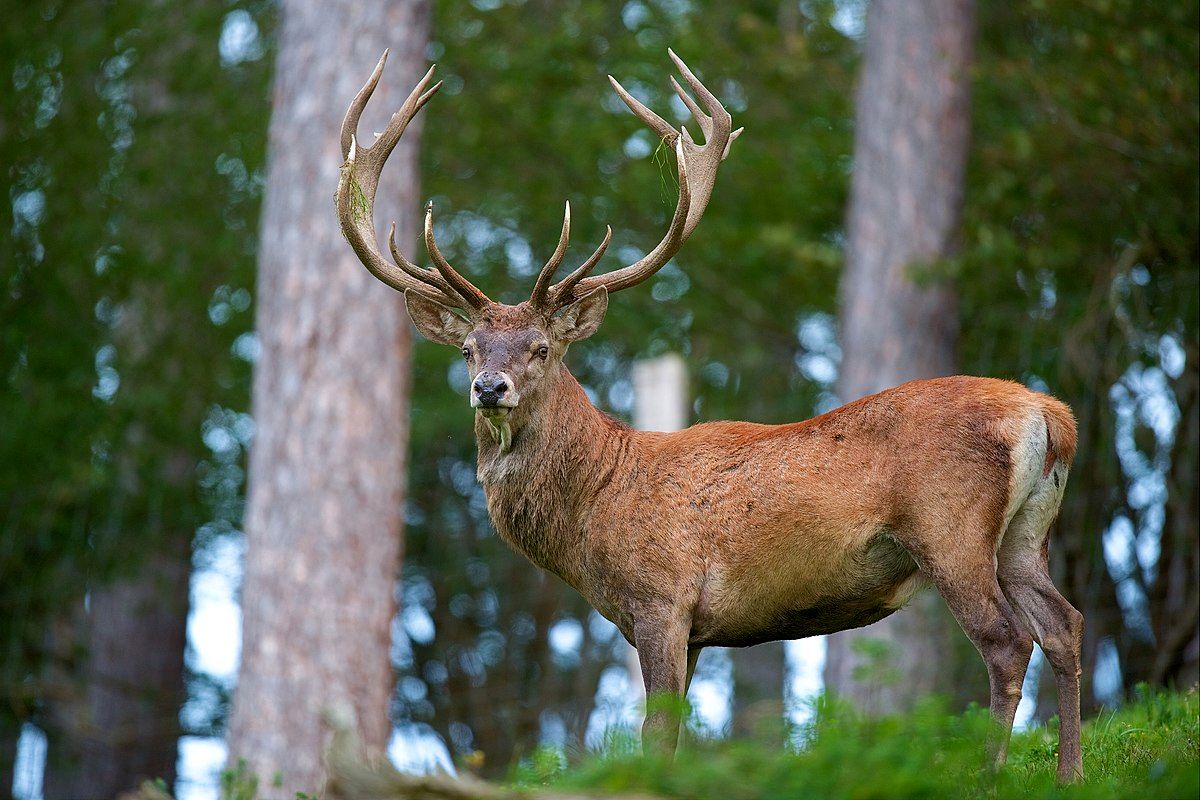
[(662, 646)]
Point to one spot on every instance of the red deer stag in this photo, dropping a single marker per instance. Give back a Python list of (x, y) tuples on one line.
[(733, 533)]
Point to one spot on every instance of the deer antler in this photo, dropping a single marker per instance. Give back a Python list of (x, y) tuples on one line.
[(541, 297), (355, 202), (697, 166)]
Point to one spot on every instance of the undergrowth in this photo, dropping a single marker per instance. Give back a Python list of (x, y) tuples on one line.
[(1149, 748)]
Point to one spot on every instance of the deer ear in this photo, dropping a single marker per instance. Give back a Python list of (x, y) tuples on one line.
[(580, 319), (436, 322)]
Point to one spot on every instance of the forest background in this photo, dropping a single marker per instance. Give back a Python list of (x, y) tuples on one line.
[(133, 139)]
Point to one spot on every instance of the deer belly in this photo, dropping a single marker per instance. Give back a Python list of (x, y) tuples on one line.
[(800, 598)]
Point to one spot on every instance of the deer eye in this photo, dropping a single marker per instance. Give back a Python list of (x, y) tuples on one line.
[(543, 351)]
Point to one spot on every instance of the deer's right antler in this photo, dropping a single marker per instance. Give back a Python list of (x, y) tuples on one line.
[(355, 202)]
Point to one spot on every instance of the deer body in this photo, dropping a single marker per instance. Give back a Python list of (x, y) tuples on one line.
[(751, 533), (733, 533)]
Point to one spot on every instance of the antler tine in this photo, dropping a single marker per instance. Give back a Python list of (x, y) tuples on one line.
[(355, 198), (474, 298), (704, 119), (354, 112), (650, 263), (563, 289), (415, 101), (428, 277), (538, 298), (716, 126), (697, 164), (654, 121), (714, 105)]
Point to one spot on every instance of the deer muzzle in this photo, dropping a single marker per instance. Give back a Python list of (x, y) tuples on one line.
[(493, 392)]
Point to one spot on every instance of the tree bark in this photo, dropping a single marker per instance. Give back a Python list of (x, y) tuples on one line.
[(330, 401), (117, 724), (758, 675), (898, 316), (9, 736)]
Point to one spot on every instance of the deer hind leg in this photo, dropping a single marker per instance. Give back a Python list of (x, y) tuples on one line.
[(965, 576), (992, 625), (1056, 625), (693, 655)]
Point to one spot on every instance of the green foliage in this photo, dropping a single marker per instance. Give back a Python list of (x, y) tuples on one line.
[(1085, 119), (1148, 749), (239, 782), (131, 151), (156, 789), (875, 659)]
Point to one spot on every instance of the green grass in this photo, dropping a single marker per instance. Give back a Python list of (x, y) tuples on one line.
[(1148, 749)]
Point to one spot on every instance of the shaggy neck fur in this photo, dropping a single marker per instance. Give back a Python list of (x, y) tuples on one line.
[(539, 489)]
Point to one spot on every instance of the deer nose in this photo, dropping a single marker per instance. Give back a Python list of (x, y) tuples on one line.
[(490, 387)]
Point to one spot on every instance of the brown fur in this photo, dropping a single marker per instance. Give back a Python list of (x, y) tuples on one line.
[(722, 505)]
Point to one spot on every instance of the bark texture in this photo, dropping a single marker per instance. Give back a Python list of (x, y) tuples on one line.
[(117, 725), (327, 467), (899, 318), (758, 675), (8, 759)]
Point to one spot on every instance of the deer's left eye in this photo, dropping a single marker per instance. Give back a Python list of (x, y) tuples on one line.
[(543, 351)]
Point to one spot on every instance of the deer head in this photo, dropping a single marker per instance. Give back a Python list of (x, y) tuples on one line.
[(513, 353)]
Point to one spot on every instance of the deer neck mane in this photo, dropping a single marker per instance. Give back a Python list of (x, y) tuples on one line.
[(540, 487)]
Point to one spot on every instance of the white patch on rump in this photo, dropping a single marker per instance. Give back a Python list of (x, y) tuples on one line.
[(1028, 457)]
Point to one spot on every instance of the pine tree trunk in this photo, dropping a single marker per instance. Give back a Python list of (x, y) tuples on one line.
[(758, 676), (898, 317), (118, 724), (9, 736), (330, 401)]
